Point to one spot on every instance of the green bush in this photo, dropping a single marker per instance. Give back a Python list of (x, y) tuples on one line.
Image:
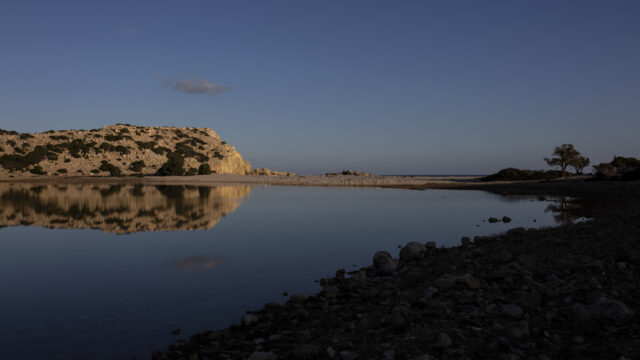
[(204, 169), (620, 168), (184, 149), (173, 167), (112, 137), (37, 170), (7, 132), (192, 172), (112, 169), (161, 150), (146, 145), (13, 162), (58, 137), (513, 174), (26, 136), (137, 166)]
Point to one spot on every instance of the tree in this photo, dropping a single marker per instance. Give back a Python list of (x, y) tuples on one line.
[(565, 155), (580, 163), (174, 165)]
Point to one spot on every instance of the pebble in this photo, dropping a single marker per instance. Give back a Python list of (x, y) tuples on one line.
[(512, 310), (259, 355), (443, 341), (610, 310)]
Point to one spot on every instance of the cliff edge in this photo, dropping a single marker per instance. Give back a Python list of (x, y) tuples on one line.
[(118, 150)]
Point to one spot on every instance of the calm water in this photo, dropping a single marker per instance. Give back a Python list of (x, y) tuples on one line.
[(106, 272)]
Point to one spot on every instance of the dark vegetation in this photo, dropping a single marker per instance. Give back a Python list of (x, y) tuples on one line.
[(62, 171), (8, 132), (118, 137), (620, 168), (58, 137), (15, 162), (77, 147), (112, 169), (204, 169), (567, 155), (160, 150), (513, 174), (191, 172), (174, 165), (106, 147), (146, 145), (38, 170), (137, 166), (184, 148)]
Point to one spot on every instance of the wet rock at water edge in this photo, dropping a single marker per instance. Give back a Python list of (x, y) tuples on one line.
[(260, 355), (493, 220), (611, 311), (518, 329), (512, 310), (443, 341), (384, 263), (412, 251), (506, 219)]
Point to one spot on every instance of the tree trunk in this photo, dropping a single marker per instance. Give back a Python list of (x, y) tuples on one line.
[(564, 170)]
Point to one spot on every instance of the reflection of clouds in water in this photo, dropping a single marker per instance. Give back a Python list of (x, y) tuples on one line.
[(201, 263)]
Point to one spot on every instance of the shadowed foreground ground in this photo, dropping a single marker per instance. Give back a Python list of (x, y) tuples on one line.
[(562, 293)]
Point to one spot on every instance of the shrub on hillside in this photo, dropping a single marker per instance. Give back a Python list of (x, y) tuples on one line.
[(204, 169), (192, 172), (137, 166), (112, 169), (38, 170), (513, 174), (173, 167), (13, 162)]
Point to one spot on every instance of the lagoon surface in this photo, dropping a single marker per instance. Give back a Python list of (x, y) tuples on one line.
[(109, 271)]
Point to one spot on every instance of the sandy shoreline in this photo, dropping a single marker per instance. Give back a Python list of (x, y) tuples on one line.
[(304, 180)]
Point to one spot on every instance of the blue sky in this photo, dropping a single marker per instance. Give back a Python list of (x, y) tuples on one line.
[(395, 87)]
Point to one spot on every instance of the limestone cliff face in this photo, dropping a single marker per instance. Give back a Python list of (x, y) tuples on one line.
[(118, 209), (127, 149)]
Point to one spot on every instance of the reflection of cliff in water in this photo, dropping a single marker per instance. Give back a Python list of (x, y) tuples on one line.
[(118, 208)]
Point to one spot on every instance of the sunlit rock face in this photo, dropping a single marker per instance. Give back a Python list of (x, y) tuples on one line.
[(115, 149), (118, 209)]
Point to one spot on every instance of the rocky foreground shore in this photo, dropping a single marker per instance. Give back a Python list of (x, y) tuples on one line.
[(570, 292)]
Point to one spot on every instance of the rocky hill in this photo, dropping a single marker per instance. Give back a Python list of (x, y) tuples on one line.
[(118, 150)]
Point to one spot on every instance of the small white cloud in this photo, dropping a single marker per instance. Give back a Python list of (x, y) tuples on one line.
[(128, 31), (199, 86)]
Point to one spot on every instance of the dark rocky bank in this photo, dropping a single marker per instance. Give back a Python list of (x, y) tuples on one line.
[(569, 292)]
